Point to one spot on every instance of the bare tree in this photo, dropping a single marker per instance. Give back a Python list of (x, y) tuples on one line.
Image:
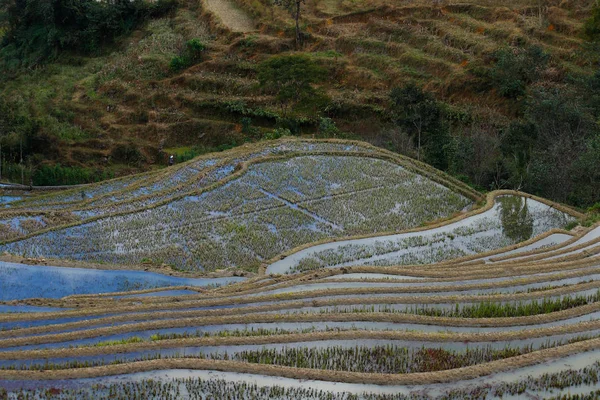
[(295, 8)]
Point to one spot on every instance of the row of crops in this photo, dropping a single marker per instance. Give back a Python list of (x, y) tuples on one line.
[(273, 336), (239, 209), (379, 281)]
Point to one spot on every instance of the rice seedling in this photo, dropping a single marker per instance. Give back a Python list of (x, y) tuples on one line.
[(384, 281)]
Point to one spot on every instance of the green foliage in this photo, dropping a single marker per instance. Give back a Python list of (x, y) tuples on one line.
[(39, 30), (591, 28), (418, 113), (241, 108), (517, 144), (177, 64), (489, 309), (552, 150), (248, 129), (277, 134), (194, 48), (565, 149), (192, 54), (592, 88), (127, 154), (515, 68), (327, 128), (14, 120), (53, 175), (585, 174), (291, 79)]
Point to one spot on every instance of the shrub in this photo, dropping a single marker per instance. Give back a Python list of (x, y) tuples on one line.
[(327, 128), (517, 143), (177, 64), (127, 154), (517, 67), (277, 134), (591, 28), (194, 49), (247, 127), (192, 54)]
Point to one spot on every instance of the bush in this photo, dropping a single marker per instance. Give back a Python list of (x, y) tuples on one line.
[(277, 134), (327, 128), (192, 54), (247, 128), (127, 154), (177, 64), (194, 49), (517, 143), (517, 67)]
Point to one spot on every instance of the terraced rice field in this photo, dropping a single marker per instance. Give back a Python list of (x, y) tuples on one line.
[(378, 279)]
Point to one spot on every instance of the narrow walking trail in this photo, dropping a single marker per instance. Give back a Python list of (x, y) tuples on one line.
[(231, 15)]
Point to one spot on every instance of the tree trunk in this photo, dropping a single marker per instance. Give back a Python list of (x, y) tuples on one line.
[(297, 24), (21, 162), (419, 147)]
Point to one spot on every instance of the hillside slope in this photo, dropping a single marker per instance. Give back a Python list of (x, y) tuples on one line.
[(126, 110)]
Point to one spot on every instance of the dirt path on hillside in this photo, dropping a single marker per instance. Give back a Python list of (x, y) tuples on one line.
[(231, 15)]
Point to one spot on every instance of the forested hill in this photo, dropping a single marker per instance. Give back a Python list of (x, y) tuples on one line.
[(500, 95)]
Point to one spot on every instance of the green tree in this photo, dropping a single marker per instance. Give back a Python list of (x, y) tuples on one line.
[(586, 175), (418, 113), (291, 78), (295, 8), (517, 144), (564, 126)]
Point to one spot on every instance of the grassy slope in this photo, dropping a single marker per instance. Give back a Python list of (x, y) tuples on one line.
[(91, 105)]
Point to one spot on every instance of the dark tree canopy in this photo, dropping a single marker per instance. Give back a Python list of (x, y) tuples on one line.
[(420, 115), (38, 30), (591, 28)]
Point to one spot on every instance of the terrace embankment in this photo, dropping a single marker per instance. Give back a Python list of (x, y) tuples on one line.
[(475, 290), (306, 373), (283, 191)]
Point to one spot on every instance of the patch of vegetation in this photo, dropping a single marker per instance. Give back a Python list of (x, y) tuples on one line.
[(521, 309), (40, 31), (591, 27), (191, 55), (515, 68), (292, 78), (52, 175), (491, 77)]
